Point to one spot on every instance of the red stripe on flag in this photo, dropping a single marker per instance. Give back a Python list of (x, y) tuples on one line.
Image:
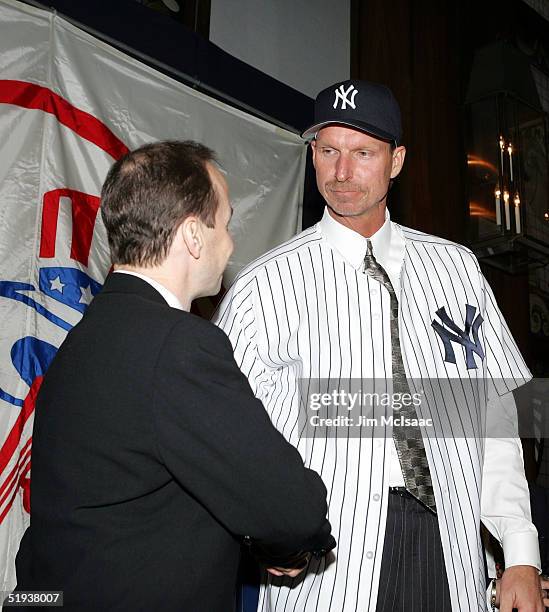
[(20, 480), (8, 507), (9, 448), (14, 476), (8, 481), (10, 503), (12, 441), (24, 483), (32, 96)]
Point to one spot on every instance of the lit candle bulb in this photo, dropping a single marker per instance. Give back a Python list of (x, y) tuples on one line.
[(510, 151), (507, 212), (517, 213), (501, 149), (498, 206), (546, 216)]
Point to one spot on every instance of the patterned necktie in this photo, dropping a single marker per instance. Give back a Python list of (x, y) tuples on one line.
[(408, 441)]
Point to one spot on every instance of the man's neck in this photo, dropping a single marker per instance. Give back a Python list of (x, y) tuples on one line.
[(163, 276), (366, 224)]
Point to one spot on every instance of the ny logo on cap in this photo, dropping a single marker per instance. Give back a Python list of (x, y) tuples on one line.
[(343, 95)]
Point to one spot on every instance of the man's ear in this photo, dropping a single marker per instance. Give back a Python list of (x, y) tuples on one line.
[(398, 161), (191, 232), (313, 151)]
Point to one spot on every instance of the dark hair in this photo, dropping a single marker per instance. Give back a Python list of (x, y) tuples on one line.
[(149, 192)]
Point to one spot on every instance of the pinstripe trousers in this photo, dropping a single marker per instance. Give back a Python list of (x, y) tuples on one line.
[(413, 574)]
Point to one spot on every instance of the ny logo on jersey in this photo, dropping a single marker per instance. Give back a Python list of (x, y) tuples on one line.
[(342, 95), (460, 336)]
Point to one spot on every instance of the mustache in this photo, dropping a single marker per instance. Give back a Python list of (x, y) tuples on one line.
[(346, 186)]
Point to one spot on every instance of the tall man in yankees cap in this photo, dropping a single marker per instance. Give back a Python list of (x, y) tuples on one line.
[(359, 297)]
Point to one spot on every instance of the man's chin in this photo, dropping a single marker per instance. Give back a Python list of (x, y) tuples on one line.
[(351, 208), (346, 209)]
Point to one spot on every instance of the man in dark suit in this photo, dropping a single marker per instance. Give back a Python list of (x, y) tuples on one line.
[(152, 460)]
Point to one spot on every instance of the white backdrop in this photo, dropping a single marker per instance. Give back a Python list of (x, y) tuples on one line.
[(69, 106), (271, 34)]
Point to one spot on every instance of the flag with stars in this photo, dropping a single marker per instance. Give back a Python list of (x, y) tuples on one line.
[(70, 106)]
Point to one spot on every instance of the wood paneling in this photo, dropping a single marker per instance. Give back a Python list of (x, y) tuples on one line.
[(414, 49)]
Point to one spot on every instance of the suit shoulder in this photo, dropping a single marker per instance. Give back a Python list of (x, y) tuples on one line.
[(192, 327)]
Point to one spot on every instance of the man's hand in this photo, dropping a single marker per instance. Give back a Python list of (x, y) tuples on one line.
[(545, 587), (521, 588), (282, 571), (292, 572)]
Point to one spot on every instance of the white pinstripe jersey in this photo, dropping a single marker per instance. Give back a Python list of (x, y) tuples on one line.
[(302, 310)]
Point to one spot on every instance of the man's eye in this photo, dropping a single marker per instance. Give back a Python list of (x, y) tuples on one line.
[(326, 151), (364, 154)]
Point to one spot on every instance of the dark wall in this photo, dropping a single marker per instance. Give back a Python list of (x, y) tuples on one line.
[(414, 49), (512, 295)]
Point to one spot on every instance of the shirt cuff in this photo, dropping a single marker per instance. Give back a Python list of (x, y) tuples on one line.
[(522, 548)]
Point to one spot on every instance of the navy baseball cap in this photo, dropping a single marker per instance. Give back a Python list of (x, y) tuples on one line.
[(363, 105)]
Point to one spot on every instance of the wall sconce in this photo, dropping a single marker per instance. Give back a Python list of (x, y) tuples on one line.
[(507, 161)]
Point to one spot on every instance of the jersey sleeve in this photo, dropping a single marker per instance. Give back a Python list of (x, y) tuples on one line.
[(505, 499)]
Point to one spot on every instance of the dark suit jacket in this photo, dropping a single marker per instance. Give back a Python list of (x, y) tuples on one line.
[(150, 456)]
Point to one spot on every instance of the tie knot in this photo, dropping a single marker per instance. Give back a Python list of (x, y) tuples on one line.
[(374, 269), (370, 262)]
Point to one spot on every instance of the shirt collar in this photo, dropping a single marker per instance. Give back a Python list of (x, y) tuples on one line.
[(351, 245), (170, 298)]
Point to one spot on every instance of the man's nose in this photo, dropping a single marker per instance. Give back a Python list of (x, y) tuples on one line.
[(343, 168)]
